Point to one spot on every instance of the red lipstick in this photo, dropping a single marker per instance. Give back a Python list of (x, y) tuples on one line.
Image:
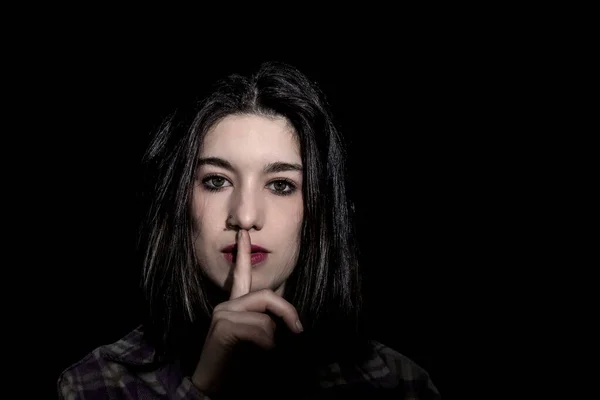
[(259, 254), (232, 248)]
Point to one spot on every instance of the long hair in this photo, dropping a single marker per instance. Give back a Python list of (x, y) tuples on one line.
[(325, 286)]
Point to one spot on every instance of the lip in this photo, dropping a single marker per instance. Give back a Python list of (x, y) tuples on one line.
[(232, 248), (255, 258), (258, 253)]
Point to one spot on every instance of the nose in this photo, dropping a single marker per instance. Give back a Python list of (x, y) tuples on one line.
[(246, 210)]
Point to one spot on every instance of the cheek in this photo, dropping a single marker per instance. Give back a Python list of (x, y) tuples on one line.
[(298, 221), (205, 230), (204, 215), (294, 217), (197, 210), (299, 212)]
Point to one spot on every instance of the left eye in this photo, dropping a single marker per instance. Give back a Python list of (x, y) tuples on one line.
[(281, 186)]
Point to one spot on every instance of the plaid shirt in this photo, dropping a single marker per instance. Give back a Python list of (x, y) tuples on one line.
[(121, 371)]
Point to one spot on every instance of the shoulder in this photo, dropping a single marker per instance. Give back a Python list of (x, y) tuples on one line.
[(123, 366), (404, 371), (384, 371)]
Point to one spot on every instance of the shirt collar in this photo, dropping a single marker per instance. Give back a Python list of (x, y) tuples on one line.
[(133, 350)]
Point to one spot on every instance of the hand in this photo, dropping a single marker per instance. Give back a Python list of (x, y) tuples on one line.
[(242, 318)]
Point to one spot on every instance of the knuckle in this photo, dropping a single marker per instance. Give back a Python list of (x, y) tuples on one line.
[(219, 314), (218, 308), (267, 322), (222, 325), (257, 331), (290, 308), (268, 293), (293, 310)]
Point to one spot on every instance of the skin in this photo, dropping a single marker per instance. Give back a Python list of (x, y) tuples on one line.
[(246, 207), (242, 318), (247, 198)]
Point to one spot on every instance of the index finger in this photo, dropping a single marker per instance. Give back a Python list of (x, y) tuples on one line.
[(242, 270)]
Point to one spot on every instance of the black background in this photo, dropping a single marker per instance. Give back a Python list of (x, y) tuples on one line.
[(468, 149), (420, 131)]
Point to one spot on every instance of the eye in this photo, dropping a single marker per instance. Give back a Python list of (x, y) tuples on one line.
[(282, 187), (215, 182)]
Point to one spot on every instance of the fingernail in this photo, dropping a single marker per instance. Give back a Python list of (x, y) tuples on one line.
[(239, 234), (299, 325)]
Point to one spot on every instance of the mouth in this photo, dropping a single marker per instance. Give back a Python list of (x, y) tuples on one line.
[(255, 258), (232, 248)]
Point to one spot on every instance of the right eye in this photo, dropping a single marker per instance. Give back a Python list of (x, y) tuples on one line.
[(215, 182)]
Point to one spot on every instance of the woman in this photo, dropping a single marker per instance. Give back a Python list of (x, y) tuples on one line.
[(250, 274)]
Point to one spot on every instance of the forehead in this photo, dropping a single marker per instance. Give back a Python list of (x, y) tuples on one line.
[(242, 136)]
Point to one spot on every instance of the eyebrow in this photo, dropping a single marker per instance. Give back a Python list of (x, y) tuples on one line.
[(274, 167)]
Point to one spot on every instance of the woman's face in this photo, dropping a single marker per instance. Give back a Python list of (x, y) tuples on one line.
[(249, 177)]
